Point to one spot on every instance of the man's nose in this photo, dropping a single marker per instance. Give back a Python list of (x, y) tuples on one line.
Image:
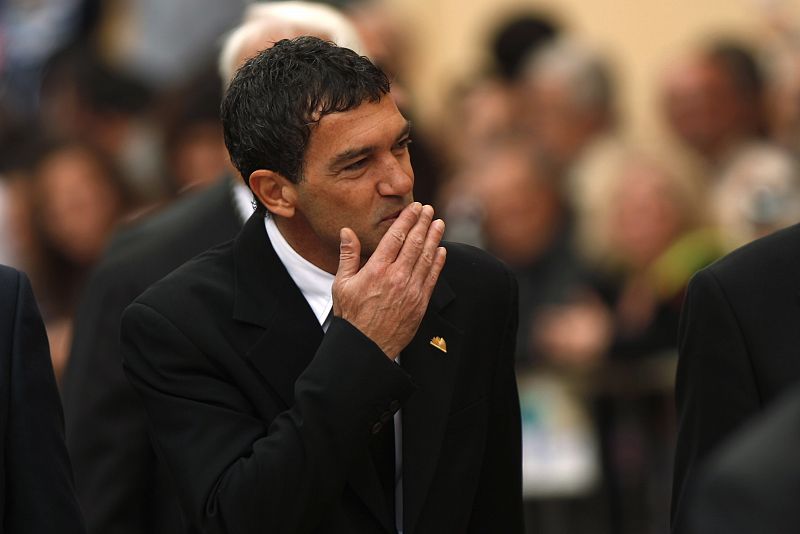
[(397, 179)]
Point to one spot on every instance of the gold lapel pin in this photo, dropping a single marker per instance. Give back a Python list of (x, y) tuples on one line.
[(439, 343)]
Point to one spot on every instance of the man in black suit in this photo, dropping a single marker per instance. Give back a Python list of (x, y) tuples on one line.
[(751, 483), (36, 489), (738, 343), (121, 485), (273, 387)]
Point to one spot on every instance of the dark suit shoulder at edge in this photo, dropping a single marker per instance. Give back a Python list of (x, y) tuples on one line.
[(8, 275), (158, 236), (10, 280), (161, 229), (762, 254)]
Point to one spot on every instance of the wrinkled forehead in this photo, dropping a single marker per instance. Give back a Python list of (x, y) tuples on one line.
[(370, 124)]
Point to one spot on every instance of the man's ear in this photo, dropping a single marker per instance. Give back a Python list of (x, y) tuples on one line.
[(275, 192)]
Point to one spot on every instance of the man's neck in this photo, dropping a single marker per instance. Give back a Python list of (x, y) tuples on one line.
[(298, 233)]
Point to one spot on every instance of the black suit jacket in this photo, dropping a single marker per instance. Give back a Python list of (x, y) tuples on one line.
[(36, 488), (265, 422), (751, 483), (739, 339), (121, 486)]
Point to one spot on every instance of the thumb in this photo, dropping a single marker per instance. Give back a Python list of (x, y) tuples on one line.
[(349, 253)]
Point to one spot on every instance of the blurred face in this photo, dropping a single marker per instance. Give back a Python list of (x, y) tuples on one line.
[(521, 210), (561, 127), (702, 107), (79, 206), (200, 156), (486, 113), (784, 105), (357, 173), (646, 218)]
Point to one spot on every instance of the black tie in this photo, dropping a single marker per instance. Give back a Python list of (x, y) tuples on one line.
[(382, 449)]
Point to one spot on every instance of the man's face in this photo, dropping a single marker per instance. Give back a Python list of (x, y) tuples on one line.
[(703, 107), (357, 173)]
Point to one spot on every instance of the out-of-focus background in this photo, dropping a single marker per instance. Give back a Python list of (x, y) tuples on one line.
[(604, 150)]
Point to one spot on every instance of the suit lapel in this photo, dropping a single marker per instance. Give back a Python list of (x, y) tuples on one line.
[(425, 412), (287, 338), (266, 296)]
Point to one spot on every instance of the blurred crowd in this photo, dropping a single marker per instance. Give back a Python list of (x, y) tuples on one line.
[(108, 114)]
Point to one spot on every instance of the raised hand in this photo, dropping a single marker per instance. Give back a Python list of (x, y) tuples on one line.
[(387, 297)]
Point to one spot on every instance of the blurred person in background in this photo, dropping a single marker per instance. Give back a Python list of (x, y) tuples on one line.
[(757, 193), (713, 101), (569, 107), (554, 83), (6, 239), (77, 198), (80, 196), (194, 149), (32, 32), (783, 95), (111, 85), (162, 44), (524, 223), (121, 485), (484, 107), (516, 38), (642, 240), (85, 97), (383, 38), (483, 112), (19, 143)]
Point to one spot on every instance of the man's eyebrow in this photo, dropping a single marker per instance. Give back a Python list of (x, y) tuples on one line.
[(354, 153), (350, 154)]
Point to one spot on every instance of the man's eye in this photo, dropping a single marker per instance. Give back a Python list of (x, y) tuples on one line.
[(403, 144), (356, 165)]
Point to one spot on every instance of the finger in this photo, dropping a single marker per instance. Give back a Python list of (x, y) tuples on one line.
[(433, 274), (349, 254), (393, 240), (428, 253), (415, 241)]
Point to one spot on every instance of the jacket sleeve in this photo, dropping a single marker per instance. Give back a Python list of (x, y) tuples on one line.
[(498, 503), (715, 389), (236, 472), (40, 496)]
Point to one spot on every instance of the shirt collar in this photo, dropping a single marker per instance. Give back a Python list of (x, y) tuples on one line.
[(314, 283)]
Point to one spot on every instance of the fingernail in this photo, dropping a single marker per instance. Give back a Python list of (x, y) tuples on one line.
[(416, 207), (344, 237)]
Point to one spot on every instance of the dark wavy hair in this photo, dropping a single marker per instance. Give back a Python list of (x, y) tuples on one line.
[(278, 96)]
